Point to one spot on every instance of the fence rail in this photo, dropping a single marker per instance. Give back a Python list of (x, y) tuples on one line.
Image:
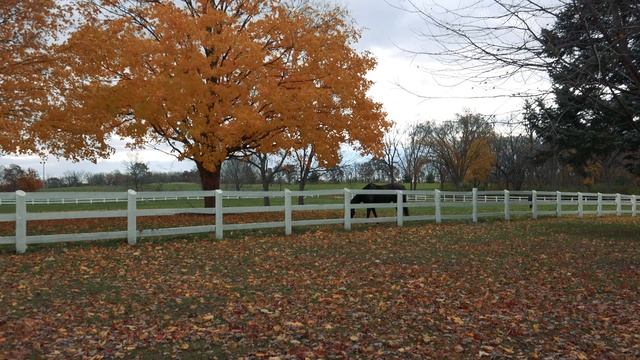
[(530, 203)]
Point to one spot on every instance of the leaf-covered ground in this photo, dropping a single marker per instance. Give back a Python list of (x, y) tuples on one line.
[(551, 288)]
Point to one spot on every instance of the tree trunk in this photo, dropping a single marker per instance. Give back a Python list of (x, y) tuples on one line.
[(265, 187), (305, 170), (301, 188), (458, 181), (210, 181)]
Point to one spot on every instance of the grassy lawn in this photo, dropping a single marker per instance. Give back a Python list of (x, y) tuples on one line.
[(70, 205), (552, 288)]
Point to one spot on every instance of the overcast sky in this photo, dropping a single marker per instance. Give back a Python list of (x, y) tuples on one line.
[(387, 31)]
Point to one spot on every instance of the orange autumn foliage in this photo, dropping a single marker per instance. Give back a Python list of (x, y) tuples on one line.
[(30, 182), (27, 28), (210, 78), (483, 161)]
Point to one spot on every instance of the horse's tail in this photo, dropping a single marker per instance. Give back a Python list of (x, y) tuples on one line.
[(405, 210)]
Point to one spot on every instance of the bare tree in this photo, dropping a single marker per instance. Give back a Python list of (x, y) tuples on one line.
[(306, 164), (485, 41), (336, 174), (391, 155), (497, 39), (366, 171), (514, 156), (268, 167), (462, 147), (416, 152), (350, 172), (237, 172)]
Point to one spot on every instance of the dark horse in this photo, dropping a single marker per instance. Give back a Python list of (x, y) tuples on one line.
[(378, 199)]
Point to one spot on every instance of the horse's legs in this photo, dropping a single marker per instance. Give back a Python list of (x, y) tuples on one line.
[(371, 210)]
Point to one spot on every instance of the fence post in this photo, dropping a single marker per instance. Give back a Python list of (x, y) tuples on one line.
[(558, 204), (347, 209), (634, 208), (21, 222), (507, 206), (534, 204), (131, 217), (618, 205), (287, 212), (599, 207), (580, 205), (400, 205), (474, 205), (436, 200), (219, 215)]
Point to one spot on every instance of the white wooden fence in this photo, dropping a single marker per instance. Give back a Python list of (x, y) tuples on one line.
[(531, 201)]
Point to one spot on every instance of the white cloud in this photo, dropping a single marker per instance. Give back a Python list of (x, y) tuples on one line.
[(400, 78)]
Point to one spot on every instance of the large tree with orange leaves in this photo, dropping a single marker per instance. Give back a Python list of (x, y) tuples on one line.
[(211, 78)]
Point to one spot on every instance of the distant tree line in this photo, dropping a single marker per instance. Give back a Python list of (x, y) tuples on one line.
[(470, 152), (136, 176), (465, 152), (14, 177)]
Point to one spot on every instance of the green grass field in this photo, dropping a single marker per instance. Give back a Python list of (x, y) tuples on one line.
[(180, 203), (552, 288)]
